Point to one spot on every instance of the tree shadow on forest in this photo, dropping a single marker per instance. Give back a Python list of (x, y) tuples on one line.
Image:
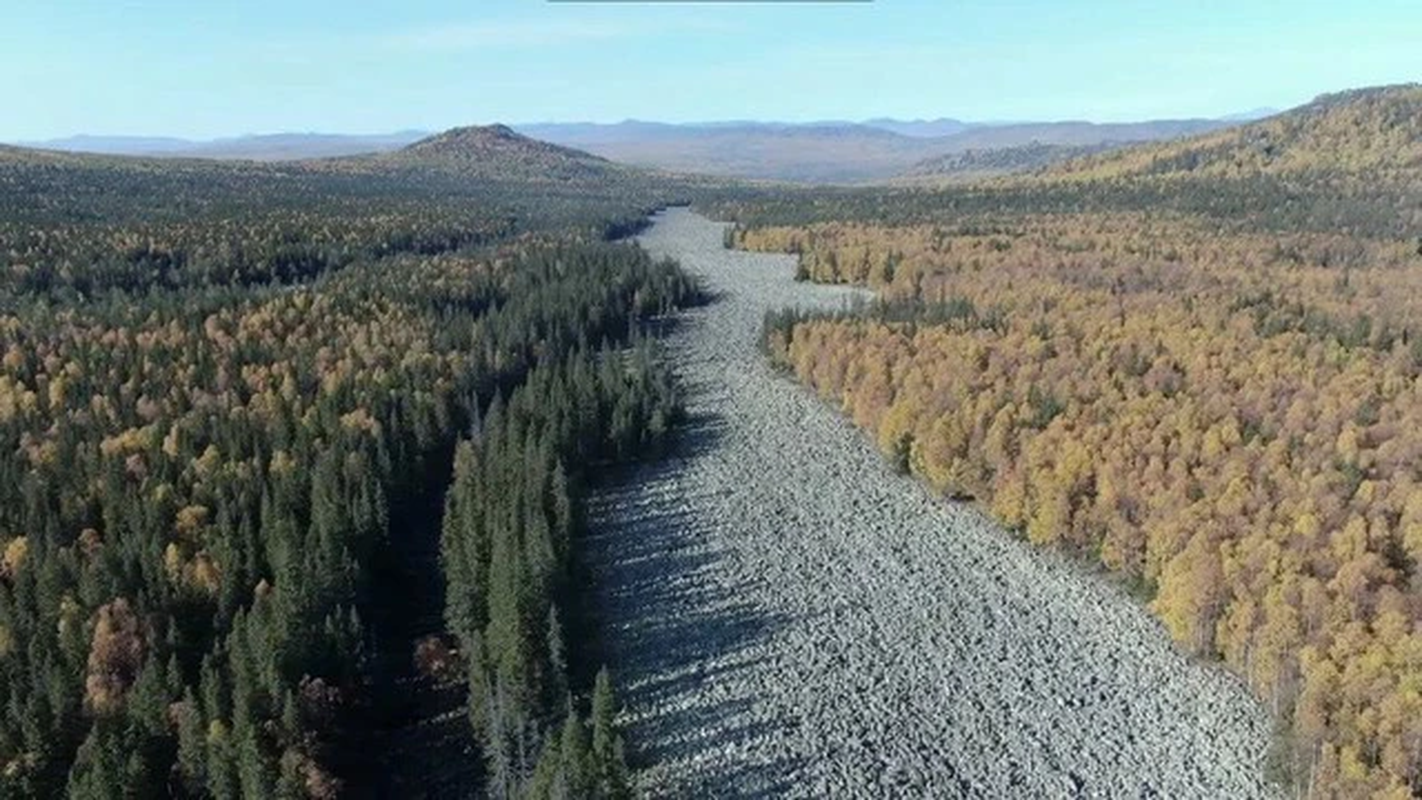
[(410, 735), (670, 624), (660, 326)]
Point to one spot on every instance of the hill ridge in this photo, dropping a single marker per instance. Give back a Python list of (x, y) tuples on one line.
[(475, 140), (498, 152), (1375, 130)]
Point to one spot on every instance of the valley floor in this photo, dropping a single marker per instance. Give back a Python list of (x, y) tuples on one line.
[(784, 615)]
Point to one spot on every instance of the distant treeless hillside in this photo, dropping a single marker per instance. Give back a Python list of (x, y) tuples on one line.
[(925, 127), (822, 154), (290, 146), (836, 152), (263, 147)]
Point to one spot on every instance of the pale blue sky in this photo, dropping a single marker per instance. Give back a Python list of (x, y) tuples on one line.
[(205, 68)]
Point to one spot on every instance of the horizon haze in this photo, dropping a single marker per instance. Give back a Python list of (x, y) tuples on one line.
[(163, 68), (815, 152)]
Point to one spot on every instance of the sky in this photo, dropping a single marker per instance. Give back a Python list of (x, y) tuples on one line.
[(211, 68)]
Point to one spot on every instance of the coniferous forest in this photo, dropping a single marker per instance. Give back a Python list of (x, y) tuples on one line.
[(220, 381), (294, 457)]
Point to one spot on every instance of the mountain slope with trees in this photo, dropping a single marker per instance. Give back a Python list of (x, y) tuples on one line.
[(1196, 364), (498, 151), (1374, 133), (975, 164), (219, 381)]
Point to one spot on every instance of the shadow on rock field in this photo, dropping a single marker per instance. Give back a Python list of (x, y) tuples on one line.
[(786, 616), (678, 627)]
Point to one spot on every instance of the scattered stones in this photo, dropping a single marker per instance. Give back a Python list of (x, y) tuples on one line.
[(787, 616)]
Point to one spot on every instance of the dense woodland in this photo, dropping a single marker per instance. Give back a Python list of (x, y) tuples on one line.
[(216, 381), (1198, 364)]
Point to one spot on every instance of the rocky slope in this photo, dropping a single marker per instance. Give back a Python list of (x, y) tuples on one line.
[(786, 616)]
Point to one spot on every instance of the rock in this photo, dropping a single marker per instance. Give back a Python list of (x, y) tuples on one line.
[(786, 615)]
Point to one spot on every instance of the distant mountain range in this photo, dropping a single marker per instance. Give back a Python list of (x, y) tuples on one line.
[(842, 152), (816, 152), (263, 147), (115, 145), (924, 128), (493, 164)]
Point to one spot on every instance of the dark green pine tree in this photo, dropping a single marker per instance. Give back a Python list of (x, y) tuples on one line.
[(100, 767), (607, 758), (254, 768), (545, 783), (464, 548), (576, 775), (556, 685), (191, 773)]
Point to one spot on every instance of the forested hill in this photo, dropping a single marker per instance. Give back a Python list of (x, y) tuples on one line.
[(1347, 164), (230, 394), (94, 222), (1196, 363), (972, 165), (497, 151), (1377, 131)]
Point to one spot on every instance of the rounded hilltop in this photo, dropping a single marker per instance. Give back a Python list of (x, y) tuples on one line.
[(499, 149)]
